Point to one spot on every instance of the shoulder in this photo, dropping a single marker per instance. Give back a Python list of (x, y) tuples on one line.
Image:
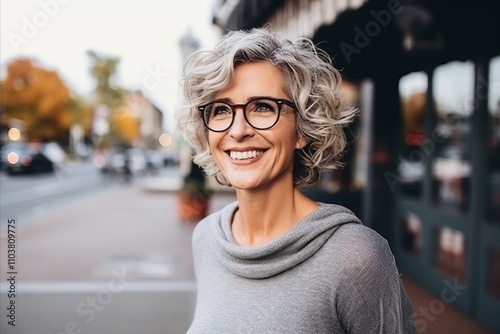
[(214, 222), (204, 226), (203, 235), (365, 261), (360, 236), (350, 242), (362, 247), (369, 280)]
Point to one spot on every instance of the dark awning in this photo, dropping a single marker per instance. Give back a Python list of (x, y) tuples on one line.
[(244, 14), (417, 35)]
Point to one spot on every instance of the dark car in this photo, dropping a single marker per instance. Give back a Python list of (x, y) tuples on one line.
[(25, 158)]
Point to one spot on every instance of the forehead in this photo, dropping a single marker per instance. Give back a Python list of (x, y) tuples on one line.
[(254, 79)]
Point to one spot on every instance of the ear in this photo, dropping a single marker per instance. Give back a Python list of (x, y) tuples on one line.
[(301, 142)]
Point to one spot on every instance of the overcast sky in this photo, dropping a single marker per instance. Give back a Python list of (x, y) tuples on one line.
[(144, 34)]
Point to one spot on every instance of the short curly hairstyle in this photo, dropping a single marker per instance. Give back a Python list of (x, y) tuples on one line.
[(309, 79)]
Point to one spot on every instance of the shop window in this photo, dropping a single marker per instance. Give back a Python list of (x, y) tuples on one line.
[(494, 274), (411, 162), (450, 253), (412, 233), (494, 140), (454, 102), (452, 182)]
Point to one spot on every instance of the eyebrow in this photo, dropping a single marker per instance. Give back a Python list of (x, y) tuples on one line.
[(230, 101)]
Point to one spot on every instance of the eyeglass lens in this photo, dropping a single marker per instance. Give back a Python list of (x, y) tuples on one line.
[(259, 113)]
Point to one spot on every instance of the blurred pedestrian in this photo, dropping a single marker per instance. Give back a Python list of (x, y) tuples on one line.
[(265, 115), (127, 168)]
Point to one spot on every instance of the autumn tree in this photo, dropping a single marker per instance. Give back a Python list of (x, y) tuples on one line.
[(103, 69), (124, 128), (41, 100)]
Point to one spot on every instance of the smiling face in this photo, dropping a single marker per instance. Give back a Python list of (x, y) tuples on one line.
[(250, 158)]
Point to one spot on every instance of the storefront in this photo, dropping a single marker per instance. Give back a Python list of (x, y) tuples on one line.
[(424, 170)]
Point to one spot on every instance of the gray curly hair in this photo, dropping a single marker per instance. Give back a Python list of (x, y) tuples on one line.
[(309, 79)]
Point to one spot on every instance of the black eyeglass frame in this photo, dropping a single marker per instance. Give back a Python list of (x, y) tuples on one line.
[(279, 102)]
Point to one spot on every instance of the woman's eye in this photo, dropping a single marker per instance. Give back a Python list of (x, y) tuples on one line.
[(220, 110), (264, 107)]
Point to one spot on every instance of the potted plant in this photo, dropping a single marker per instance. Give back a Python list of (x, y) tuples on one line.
[(194, 196)]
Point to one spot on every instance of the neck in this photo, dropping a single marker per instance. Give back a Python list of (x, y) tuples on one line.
[(266, 214)]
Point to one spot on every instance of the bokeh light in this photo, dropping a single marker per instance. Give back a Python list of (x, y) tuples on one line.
[(12, 158), (14, 134), (165, 139)]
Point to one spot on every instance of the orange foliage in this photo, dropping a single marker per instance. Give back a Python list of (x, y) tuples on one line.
[(38, 97), (125, 125)]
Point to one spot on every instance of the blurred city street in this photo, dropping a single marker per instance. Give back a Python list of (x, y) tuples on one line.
[(126, 225), (28, 196), (74, 248)]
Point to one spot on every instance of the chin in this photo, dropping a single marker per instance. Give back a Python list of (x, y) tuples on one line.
[(244, 184)]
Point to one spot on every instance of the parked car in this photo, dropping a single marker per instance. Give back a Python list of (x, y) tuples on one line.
[(21, 157)]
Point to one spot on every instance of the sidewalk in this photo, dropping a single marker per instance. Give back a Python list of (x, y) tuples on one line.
[(135, 229), (132, 226)]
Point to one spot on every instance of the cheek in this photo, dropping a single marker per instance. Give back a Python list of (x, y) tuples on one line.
[(289, 141), (213, 142)]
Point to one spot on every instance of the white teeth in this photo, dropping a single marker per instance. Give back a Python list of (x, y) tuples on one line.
[(238, 155)]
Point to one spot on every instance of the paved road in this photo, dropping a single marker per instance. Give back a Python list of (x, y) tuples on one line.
[(27, 196), (114, 261)]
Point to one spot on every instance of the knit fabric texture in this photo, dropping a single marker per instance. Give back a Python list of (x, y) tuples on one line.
[(328, 274)]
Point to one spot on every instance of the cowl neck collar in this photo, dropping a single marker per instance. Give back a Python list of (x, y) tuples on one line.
[(283, 253)]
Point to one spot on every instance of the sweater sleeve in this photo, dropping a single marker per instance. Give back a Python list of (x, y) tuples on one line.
[(370, 297)]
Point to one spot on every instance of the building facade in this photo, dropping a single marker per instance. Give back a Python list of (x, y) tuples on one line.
[(150, 120)]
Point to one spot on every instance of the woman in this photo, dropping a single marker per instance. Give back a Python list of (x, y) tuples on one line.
[(265, 116)]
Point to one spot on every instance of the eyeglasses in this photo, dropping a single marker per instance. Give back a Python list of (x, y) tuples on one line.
[(261, 113)]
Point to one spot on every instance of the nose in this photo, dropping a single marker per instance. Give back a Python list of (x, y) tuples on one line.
[(240, 128)]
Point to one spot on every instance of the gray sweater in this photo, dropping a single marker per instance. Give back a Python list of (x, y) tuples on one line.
[(329, 274)]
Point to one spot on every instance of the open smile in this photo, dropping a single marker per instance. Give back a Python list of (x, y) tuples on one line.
[(245, 155)]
